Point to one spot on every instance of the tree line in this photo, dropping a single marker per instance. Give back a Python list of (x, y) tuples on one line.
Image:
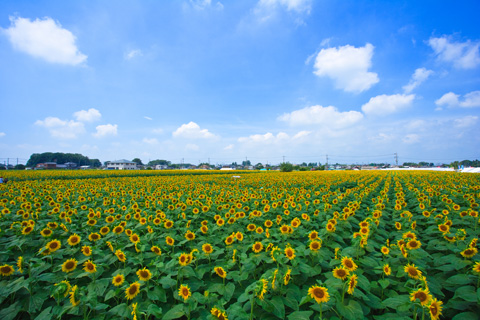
[(62, 158)]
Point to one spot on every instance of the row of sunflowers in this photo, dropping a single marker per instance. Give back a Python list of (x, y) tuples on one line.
[(334, 245)]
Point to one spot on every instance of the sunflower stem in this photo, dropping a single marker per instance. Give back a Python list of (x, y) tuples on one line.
[(252, 302)]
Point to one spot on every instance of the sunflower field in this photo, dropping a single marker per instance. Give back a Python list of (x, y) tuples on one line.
[(269, 245)]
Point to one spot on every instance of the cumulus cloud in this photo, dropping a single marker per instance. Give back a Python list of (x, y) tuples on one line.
[(291, 5), (157, 131), (386, 104), (105, 130), (204, 4), (450, 99), (347, 66), (465, 122), (192, 147), (411, 138), (62, 129), (264, 138), (150, 141), (229, 147), (2, 134), (45, 39), (419, 76), (325, 116), (192, 130), (133, 54), (463, 55), (148, 118), (89, 115)]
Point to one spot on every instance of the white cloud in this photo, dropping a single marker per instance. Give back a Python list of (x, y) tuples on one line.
[(301, 134), (291, 5), (347, 66), (150, 141), (450, 99), (204, 4), (325, 116), (105, 130), (44, 39), (385, 104), (465, 122), (192, 147), (264, 138), (157, 131), (419, 76), (133, 54), (411, 138), (192, 130), (2, 134), (229, 147), (463, 55), (62, 129), (148, 118), (89, 115)]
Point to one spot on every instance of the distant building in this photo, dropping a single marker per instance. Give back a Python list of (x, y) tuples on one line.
[(121, 165)]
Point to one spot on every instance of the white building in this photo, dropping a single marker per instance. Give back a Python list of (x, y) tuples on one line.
[(121, 165)]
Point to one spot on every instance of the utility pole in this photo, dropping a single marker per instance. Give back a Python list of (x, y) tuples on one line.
[(326, 165), (283, 159), (396, 159)]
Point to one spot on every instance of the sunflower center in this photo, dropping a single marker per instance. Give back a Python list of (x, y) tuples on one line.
[(317, 292), (421, 296), (433, 310), (132, 290), (348, 264), (413, 272), (69, 265)]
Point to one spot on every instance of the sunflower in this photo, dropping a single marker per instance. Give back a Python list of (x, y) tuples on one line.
[(156, 250), (74, 296), (20, 264), (64, 288), (89, 266), (132, 291), (239, 236), (118, 229), (183, 260), (220, 222), (104, 230), (313, 235), (69, 265), (6, 270), (423, 295), (87, 251), (207, 248), (257, 247), (118, 280), (315, 245), (320, 294), (348, 263), (261, 288), (352, 283), (290, 253), (229, 240), (286, 277), (74, 239), (469, 252), (476, 267), (27, 230), (412, 271), (385, 250), (184, 292), (120, 255), (413, 244), (134, 238), (220, 272), (284, 229), (94, 237), (170, 241), (387, 270), (144, 274), (189, 235), (53, 245), (46, 232), (340, 273), (331, 227), (435, 309)]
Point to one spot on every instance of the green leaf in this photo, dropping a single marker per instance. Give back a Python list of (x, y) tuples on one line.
[(229, 290), (157, 294), (110, 294), (395, 302), (154, 310), (168, 282), (351, 311), (121, 310), (236, 312), (466, 293), (11, 312), (45, 314), (36, 302), (459, 279), (176, 312), (300, 315), (384, 283), (278, 307), (466, 316)]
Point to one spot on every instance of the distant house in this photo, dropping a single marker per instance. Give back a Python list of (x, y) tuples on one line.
[(121, 165), (161, 167)]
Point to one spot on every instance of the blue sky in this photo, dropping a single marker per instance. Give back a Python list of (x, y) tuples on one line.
[(262, 80)]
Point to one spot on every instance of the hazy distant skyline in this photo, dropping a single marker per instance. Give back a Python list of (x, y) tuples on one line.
[(229, 81)]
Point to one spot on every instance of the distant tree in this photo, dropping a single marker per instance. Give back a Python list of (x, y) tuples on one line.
[(246, 163), (286, 167), (19, 167), (60, 158), (259, 166), (137, 161), (159, 162)]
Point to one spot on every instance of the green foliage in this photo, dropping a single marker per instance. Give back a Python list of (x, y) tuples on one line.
[(61, 158), (286, 167)]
